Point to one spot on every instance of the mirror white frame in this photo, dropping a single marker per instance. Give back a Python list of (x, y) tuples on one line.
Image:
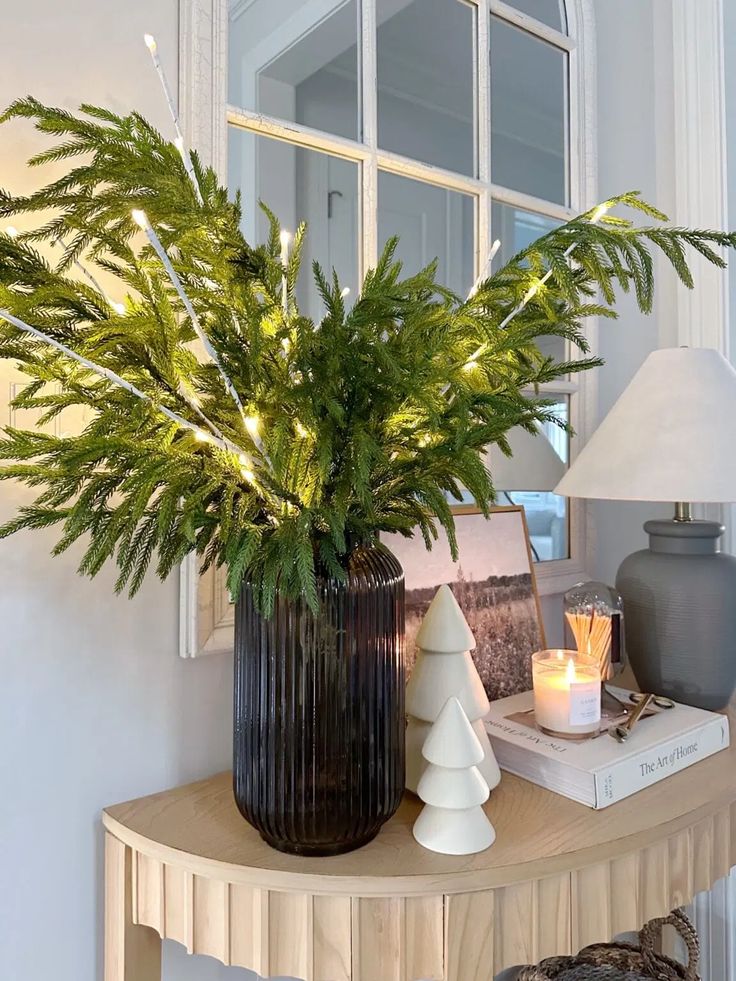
[(690, 89), (206, 615)]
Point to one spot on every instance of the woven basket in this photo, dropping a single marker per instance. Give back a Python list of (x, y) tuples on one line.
[(625, 962)]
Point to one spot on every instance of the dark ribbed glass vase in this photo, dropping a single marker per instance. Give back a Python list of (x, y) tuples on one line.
[(319, 709)]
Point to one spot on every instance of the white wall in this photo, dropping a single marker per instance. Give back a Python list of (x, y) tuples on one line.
[(630, 158), (95, 705)]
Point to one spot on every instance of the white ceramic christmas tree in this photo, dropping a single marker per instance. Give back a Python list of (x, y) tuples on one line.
[(453, 821), (444, 667)]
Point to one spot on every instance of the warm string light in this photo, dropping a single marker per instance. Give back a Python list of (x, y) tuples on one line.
[(150, 42), (115, 379), (252, 424)]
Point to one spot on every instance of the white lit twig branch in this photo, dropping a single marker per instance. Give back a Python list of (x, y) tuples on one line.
[(150, 41), (142, 221), (486, 270), (533, 290), (119, 308), (111, 376)]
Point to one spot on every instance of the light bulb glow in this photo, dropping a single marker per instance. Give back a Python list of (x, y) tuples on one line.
[(201, 436), (150, 42), (285, 239), (599, 212), (286, 344), (300, 430), (139, 217), (12, 232), (252, 424), (345, 292), (119, 308), (570, 672), (248, 475)]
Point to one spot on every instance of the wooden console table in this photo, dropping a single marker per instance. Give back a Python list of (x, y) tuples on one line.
[(184, 865)]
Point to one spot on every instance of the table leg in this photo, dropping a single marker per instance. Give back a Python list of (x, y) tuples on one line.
[(132, 953)]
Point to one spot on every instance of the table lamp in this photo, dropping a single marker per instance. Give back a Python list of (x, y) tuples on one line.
[(671, 436), (533, 466)]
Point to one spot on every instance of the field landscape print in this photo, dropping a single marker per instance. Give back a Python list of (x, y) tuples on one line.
[(494, 584)]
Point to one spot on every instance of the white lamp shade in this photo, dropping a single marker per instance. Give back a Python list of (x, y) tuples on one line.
[(669, 437), (534, 465)]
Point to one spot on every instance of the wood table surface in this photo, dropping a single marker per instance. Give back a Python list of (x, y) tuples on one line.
[(183, 864)]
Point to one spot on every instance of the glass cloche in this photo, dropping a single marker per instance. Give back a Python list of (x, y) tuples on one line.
[(594, 625)]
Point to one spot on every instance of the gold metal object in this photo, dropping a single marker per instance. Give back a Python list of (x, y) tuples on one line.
[(623, 731), (659, 701)]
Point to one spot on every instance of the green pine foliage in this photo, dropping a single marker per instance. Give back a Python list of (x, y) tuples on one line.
[(370, 419)]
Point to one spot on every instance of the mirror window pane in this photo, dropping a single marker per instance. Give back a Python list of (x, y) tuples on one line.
[(285, 60), (300, 185), (547, 515), (431, 222), (517, 229), (528, 113), (426, 101)]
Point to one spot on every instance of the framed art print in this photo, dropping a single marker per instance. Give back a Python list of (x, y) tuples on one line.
[(493, 581)]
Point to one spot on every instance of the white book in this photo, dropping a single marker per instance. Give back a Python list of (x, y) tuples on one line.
[(601, 771)]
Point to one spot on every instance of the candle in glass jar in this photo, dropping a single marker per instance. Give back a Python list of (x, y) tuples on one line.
[(567, 693)]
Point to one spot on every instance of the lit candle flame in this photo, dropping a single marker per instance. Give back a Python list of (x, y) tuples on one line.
[(571, 679)]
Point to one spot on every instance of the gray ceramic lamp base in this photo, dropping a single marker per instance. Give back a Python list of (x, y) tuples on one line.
[(680, 613)]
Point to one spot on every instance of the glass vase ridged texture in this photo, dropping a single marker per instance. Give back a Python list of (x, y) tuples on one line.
[(318, 764)]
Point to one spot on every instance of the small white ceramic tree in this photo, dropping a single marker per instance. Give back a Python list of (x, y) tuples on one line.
[(444, 667), (453, 821)]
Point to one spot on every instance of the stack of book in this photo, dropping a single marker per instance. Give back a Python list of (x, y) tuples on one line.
[(600, 771)]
